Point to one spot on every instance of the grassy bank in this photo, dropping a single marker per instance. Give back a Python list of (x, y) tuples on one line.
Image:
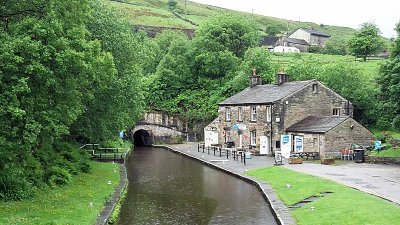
[(344, 206), (76, 203), (391, 152)]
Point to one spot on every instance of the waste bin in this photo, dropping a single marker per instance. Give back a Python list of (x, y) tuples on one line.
[(359, 155), (230, 144)]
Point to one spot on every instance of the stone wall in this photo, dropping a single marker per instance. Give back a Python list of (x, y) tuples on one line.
[(162, 119), (318, 40), (301, 34), (160, 133), (306, 103), (261, 126), (344, 135)]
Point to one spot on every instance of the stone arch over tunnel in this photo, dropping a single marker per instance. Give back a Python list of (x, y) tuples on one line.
[(142, 137)]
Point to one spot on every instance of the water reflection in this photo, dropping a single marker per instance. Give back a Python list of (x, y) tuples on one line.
[(166, 188)]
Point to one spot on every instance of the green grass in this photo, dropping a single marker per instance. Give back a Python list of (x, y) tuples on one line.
[(344, 206), (391, 152), (68, 204), (156, 13)]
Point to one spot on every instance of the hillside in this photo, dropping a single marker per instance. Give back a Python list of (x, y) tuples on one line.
[(157, 13)]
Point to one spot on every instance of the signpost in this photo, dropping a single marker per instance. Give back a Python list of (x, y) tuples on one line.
[(286, 146), (298, 143)]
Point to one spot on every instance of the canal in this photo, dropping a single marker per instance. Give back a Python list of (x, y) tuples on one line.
[(167, 188)]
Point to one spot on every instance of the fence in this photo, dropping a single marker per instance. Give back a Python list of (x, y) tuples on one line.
[(105, 154), (223, 152)]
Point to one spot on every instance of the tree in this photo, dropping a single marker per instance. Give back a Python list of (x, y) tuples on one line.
[(172, 4), (221, 42), (273, 29), (389, 81), (335, 47), (366, 41), (49, 67), (120, 103)]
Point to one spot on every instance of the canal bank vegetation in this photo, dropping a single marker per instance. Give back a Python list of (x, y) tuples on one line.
[(343, 205), (77, 203), (117, 209), (70, 73)]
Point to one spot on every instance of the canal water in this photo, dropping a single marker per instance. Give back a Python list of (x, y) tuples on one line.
[(167, 188)]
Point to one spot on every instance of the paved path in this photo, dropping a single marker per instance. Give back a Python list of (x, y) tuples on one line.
[(380, 180)]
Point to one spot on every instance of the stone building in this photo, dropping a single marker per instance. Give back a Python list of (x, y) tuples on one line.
[(259, 116), (311, 36)]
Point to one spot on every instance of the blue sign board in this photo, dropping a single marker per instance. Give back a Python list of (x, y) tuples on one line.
[(285, 139)]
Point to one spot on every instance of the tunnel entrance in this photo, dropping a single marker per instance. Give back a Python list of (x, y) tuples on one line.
[(142, 138)]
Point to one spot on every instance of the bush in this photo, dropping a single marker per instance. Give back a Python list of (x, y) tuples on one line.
[(58, 176), (13, 185)]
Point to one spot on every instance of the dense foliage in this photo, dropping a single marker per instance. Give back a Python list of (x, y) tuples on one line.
[(390, 88), (366, 41), (55, 77)]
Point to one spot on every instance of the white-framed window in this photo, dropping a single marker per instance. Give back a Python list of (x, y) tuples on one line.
[(336, 112), (228, 114), (253, 113), (268, 113), (240, 114), (253, 137)]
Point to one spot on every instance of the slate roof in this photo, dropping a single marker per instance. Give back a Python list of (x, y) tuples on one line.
[(267, 93), (314, 124), (297, 41), (269, 40), (317, 32)]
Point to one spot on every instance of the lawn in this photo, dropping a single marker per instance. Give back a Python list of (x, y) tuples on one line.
[(70, 204), (344, 206), (391, 152)]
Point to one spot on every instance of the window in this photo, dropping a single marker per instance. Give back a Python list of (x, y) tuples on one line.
[(228, 114), (253, 136), (315, 142), (240, 114), (315, 88), (277, 144), (268, 113), (253, 113), (336, 112)]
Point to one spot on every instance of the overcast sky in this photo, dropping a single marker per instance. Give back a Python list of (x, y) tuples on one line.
[(349, 13)]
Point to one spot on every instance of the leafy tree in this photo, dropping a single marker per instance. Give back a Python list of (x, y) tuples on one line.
[(49, 67), (118, 104), (366, 41), (273, 29), (335, 47), (221, 42), (172, 4), (389, 81)]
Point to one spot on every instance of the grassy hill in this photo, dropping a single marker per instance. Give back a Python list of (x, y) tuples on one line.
[(157, 13)]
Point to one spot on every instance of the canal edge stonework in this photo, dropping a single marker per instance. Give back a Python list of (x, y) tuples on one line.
[(109, 207), (279, 210)]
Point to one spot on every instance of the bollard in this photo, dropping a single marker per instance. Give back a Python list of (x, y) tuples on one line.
[(208, 149), (220, 152), (214, 149), (244, 159), (198, 147), (203, 148)]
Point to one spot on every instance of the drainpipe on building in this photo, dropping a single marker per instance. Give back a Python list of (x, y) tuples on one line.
[(271, 133)]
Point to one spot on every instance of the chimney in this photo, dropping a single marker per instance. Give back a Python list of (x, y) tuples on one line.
[(281, 77), (255, 79)]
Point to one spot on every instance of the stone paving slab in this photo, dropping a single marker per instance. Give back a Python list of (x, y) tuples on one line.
[(238, 168)]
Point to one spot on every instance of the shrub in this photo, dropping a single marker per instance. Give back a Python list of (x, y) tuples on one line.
[(58, 176), (13, 185)]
